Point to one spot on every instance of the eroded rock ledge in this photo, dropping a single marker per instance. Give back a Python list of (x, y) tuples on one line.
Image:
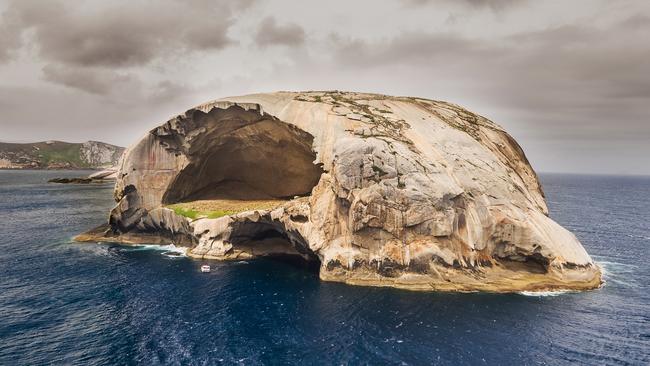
[(374, 190)]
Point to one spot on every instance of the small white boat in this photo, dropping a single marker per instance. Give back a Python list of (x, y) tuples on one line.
[(205, 268)]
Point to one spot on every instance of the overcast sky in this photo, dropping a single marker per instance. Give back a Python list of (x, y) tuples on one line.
[(570, 80)]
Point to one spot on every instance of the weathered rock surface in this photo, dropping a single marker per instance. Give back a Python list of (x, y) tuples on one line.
[(387, 191)]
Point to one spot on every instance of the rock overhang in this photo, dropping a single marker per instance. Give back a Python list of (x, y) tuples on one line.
[(232, 153)]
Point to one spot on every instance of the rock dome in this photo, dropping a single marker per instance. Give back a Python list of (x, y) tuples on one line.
[(369, 189)]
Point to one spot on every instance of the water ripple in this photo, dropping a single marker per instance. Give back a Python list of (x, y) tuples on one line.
[(65, 303)]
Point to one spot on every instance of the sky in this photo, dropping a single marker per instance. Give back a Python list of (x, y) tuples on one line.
[(570, 80)]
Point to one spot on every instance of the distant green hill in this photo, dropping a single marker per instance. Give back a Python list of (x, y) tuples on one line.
[(59, 155)]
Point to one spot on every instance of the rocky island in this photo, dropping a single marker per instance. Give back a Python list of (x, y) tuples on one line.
[(371, 189)]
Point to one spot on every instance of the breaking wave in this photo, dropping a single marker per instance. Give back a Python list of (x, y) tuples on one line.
[(169, 250)]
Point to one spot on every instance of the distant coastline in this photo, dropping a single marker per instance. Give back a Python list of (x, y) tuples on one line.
[(58, 155)]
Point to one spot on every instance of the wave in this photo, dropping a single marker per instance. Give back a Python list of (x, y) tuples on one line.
[(622, 274), (642, 237), (169, 250), (544, 293)]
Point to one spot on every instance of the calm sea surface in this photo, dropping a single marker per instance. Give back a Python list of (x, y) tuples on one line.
[(64, 303)]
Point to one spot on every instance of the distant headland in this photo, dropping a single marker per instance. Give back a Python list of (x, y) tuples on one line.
[(59, 155)]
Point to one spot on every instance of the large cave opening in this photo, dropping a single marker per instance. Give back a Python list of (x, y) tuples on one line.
[(242, 160), (242, 155)]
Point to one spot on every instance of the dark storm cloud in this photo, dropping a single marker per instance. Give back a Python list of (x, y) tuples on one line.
[(165, 91), (606, 63), (493, 4), (68, 115), (9, 39), (638, 21), (569, 80), (92, 46), (270, 32), (118, 86), (536, 69), (568, 85), (410, 49), (90, 80), (117, 34)]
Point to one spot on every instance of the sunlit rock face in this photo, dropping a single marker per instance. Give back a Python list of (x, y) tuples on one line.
[(376, 190), (99, 154)]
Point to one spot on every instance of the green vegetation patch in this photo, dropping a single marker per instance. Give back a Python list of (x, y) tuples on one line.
[(213, 209), (61, 153), (194, 214)]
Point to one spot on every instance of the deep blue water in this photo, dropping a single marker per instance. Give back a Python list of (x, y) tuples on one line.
[(89, 304)]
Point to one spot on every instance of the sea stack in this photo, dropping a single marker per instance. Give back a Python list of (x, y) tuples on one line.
[(373, 189)]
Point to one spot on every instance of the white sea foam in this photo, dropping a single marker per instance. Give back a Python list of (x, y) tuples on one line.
[(173, 251), (544, 293), (170, 248), (638, 236), (618, 273)]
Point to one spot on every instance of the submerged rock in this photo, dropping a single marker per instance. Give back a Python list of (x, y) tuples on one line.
[(76, 180), (102, 176), (378, 190)]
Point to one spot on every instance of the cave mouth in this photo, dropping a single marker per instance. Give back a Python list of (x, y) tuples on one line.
[(238, 160), (270, 240), (242, 155)]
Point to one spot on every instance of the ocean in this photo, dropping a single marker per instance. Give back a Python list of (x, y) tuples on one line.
[(100, 304)]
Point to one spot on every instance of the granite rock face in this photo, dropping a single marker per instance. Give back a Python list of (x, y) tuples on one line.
[(99, 154), (378, 190)]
